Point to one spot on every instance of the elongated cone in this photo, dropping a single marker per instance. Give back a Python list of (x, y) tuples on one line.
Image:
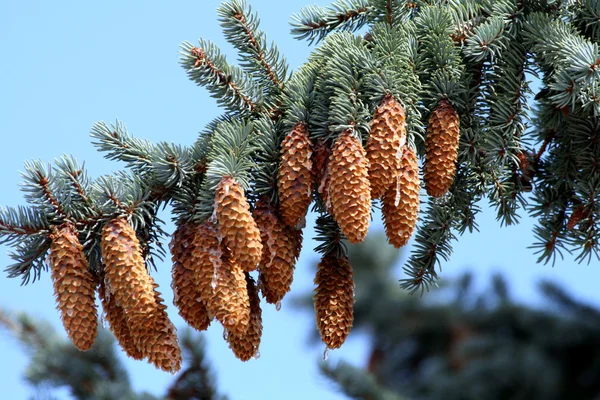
[(321, 175), (334, 300), (441, 149), (401, 202), (278, 261), (188, 297), (206, 254), (236, 225), (246, 346), (133, 290), (230, 296), (295, 179), (349, 187), (117, 321), (385, 144), (295, 236), (159, 340), (74, 287)]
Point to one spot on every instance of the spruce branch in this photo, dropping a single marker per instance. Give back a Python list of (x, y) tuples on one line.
[(231, 86), (118, 144), (241, 29), (314, 23)]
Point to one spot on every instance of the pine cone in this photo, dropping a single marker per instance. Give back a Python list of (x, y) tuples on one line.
[(117, 321), (206, 261), (188, 297), (133, 290), (349, 187), (230, 296), (441, 149), (401, 202), (385, 144), (236, 226), (278, 261), (295, 180), (321, 158), (158, 338), (74, 287), (246, 346), (334, 300)]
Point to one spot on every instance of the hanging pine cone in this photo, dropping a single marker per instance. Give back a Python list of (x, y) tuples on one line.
[(334, 300), (74, 287), (117, 321), (236, 225), (230, 296), (206, 255), (246, 346), (441, 149), (158, 339), (349, 187), (188, 297), (400, 206), (294, 181), (295, 236), (385, 144), (278, 261), (321, 174), (133, 289)]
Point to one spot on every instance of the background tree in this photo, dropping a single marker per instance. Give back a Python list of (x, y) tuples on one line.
[(457, 344), (97, 374)]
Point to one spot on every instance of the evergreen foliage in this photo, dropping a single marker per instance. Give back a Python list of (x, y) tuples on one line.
[(478, 56), (458, 343), (99, 374)]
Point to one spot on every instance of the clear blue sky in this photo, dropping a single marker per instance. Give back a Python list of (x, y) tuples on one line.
[(68, 64)]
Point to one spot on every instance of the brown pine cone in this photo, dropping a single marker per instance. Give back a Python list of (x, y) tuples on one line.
[(230, 296), (349, 187), (246, 346), (188, 297), (401, 202), (334, 300), (278, 261), (236, 225), (74, 287), (385, 144), (295, 179), (117, 321), (441, 149)]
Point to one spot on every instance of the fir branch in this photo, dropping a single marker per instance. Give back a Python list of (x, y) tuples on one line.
[(330, 238), (231, 86), (20, 222), (314, 23)]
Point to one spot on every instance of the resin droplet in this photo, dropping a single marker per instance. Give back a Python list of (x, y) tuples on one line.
[(225, 334), (278, 306), (256, 355), (326, 354)]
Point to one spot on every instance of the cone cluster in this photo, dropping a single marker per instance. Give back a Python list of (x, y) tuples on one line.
[(74, 287), (441, 149)]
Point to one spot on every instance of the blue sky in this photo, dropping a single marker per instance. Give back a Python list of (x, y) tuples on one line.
[(69, 64)]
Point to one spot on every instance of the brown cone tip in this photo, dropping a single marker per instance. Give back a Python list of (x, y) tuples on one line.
[(295, 178), (117, 322), (385, 144), (230, 296), (74, 287), (400, 206), (349, 187), (188, 297), (441, 149), (236, 225), (334, 300), (246, 346), (279, 247)]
